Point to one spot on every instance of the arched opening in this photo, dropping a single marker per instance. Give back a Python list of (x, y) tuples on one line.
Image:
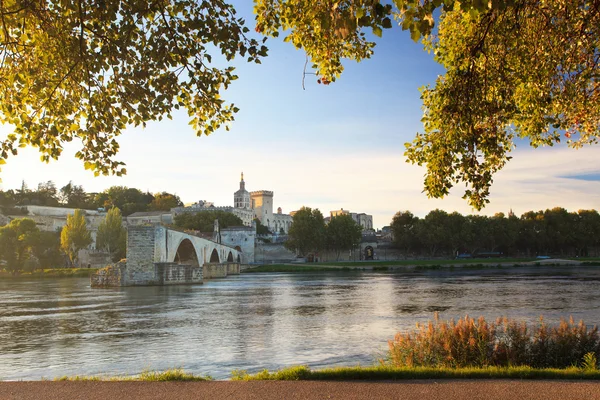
[(369, 253), (238, 248), (230, 257), (214, 257), (186, 253), (239, 259)]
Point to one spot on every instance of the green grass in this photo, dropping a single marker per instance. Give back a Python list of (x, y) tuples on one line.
[(301, 373), (293, 268), (419, 265), (426, 262), (174, 374), (52, 273)]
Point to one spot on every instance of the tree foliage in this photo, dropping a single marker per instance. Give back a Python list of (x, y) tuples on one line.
[(87, 69), (551, 232), (260, 228), (74, 196), (342, 233), (16, 243), (75, 236), (204, 221), (307, 233), (514, 68), (164, 202), (128, 200), (111, 235), (46, 249)]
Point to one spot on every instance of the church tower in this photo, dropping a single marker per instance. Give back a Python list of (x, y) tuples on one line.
[(241, 198)]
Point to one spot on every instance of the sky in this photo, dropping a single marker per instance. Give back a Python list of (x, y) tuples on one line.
[(326, 147)]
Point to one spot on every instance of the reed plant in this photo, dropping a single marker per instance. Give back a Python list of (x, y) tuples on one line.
[(502, 343)]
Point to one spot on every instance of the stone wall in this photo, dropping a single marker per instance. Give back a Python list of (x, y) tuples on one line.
[(140, 256), (212, 271), (233, 268), (109, 276), (244, 238), (177, 274), (268, 253)]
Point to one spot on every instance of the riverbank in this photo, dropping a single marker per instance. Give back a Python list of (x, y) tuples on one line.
[(421, 265), (51, 273)]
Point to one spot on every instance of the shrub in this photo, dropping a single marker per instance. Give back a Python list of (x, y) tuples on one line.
[(505, 342)]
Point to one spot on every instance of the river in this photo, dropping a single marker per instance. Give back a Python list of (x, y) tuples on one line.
[(56, 327)]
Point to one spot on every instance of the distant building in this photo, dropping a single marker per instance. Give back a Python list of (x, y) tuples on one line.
[(247, 206), (362, 219)]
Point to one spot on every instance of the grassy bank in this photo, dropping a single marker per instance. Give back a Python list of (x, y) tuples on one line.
[(175, 374), (390, 373), (428, 262), (295, 268), (376, 373), (51, 273), (416, 265)]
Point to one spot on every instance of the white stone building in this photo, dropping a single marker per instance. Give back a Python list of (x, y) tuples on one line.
[(362, 219)]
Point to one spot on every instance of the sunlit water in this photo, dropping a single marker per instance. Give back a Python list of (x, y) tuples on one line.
[(50, 328)]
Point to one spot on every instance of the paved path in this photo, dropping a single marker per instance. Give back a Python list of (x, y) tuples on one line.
[(265, 390)]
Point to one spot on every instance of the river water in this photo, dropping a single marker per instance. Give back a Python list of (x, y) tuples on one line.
[(51, 328)]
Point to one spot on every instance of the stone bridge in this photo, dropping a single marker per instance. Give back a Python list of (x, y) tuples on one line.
[(157, 255)]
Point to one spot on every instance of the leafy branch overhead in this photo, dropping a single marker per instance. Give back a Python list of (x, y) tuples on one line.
[(87, 69), (514, 68)]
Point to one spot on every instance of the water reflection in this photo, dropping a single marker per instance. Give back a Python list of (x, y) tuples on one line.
[(52, 328)]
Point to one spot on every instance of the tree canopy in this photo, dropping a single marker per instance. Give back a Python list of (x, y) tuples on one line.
[(342, 233), (514, 68), (86, 69), (16, 243), (112, 235), (546, 232), (307, 233), (75, 236), (204, 221)]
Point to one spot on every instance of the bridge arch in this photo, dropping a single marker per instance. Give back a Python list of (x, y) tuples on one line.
[(214, 257), (186, 253), (230, 257)]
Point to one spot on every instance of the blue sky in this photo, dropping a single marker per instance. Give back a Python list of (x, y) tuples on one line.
[(325, 147)]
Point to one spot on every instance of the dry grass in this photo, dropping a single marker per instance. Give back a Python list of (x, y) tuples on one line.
[(503, 343)]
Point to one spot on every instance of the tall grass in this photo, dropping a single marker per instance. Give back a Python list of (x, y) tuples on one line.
[(173, 374), (385, 372), (502, 343)]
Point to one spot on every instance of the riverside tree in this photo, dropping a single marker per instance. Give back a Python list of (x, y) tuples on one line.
[(112, 236), (514, 68), (553, 231), (16, 242), (75, 236), (342, 233), (307, 233)]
